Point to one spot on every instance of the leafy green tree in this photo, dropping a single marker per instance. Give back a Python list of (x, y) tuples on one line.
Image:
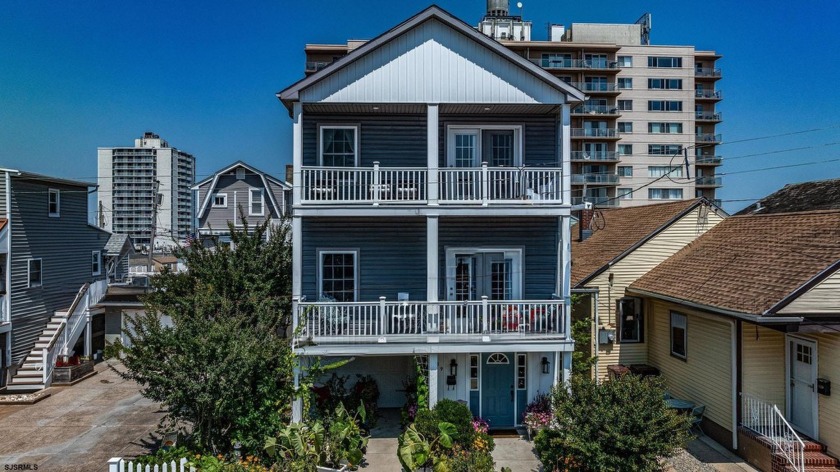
[(582, 358), (622, 424), (223, 367)]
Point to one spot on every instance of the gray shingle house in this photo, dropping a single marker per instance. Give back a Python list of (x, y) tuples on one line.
[(235, 191), (430, 216)]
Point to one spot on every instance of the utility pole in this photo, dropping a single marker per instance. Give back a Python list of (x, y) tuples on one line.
[(101, 215), (155, 202)]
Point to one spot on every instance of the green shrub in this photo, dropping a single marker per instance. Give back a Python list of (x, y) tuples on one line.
[(464, 460), (622, 424), (459, 415)]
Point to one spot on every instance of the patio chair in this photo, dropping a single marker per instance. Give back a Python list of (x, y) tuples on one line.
[(697, 417)]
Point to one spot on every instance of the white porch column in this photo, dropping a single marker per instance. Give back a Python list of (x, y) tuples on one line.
[(297, 403), (564, 359), (433, 380), (433, 178), (297, 152), (432, 258), (565, 151), (297, 256)]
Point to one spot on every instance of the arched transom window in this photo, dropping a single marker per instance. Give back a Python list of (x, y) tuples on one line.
[(497, 358)]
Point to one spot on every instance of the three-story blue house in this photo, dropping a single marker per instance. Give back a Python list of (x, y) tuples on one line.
[(430, 216)]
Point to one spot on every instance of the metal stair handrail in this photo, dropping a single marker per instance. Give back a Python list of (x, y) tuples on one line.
[(766, 420)]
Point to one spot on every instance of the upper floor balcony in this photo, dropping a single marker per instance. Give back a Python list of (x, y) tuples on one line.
[(589, 109), (479, 186), (709, 116), (710, 181), (467, 321), (595, 133), (706, 94), (707, 72), (576, 64), (708, 160), (596, 88), (599, 156), (594, 178), (708, 138)]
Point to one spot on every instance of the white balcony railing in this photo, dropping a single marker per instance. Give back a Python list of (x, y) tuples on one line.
[(402, 185), (713, 94), (595, 156), (766, 420), (453, 320), (594, 133)]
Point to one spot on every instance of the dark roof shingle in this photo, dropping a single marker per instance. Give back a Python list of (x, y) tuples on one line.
[(749, 263), (622, 229), (806, 196)]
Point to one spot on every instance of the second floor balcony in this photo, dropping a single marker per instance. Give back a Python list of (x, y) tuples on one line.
[(604, 133), (483, 185), (468, 321)]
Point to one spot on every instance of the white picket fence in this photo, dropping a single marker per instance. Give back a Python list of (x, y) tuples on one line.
[(118, 464)]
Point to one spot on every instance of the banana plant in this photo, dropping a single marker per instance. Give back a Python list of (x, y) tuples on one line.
[(415, 450)]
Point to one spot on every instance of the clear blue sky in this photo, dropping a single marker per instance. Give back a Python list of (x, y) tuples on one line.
[(75, 75)]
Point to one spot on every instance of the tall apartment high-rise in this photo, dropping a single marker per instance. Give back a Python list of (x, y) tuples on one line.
[(647, 131), (128, 177)]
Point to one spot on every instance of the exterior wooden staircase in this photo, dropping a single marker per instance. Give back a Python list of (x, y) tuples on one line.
[(56, 340)]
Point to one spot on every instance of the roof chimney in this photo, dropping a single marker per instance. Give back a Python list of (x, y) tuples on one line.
[(585, 223), (290, 173)]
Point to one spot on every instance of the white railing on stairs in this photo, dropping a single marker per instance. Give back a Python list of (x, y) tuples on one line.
[(118, 464), (50, 353), (766, 420)]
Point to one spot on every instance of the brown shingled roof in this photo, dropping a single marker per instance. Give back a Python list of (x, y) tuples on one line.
[(806, 196), (622, 229), (751, 263)]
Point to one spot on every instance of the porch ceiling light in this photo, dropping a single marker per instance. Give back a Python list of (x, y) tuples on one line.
[(545, 365)]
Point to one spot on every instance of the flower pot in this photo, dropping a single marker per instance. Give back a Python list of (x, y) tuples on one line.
[(323, 468)]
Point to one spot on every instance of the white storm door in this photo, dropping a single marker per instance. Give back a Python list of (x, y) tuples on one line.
[(802, 372)]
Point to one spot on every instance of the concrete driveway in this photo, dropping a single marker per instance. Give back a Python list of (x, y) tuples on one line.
[(79, 428)]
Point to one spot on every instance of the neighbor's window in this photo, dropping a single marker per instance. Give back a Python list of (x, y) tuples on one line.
[(624, 193), (96, 263), (625, 83), (339, 146), (625, 171), (255, 202), (664, 61), (631, 329), (35, 272), (625, 126), (625, 61), (625, 149), (339, 275), (665, 84), (679, 337), (664, 105), (220, 200), (665, 194), (625, 105), (54, 202)]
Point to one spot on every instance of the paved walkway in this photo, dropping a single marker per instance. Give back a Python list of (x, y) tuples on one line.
[(516, 453), (79, 428)]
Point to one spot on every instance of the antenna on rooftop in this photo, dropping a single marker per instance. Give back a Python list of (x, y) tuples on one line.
[(645, 21)]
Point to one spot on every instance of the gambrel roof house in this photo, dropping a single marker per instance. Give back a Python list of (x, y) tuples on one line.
[(626, 243), (430, 215), (236, 191), (748, 316)]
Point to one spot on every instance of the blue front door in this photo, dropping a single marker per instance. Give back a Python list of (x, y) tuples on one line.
[(497, 389)]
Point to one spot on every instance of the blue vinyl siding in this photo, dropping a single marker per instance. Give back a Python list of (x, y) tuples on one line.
[(539, 134), (537, 236), (393, 141), (392, 254)]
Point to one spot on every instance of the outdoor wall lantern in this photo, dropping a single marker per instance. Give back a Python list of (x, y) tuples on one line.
[(453, 367), (545, 365)]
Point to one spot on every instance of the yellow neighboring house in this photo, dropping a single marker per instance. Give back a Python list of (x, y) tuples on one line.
[(747, 317), (625, 243)]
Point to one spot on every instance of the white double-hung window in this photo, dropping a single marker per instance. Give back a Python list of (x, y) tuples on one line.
[(339, 146), (256, 202), (338, 274)]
